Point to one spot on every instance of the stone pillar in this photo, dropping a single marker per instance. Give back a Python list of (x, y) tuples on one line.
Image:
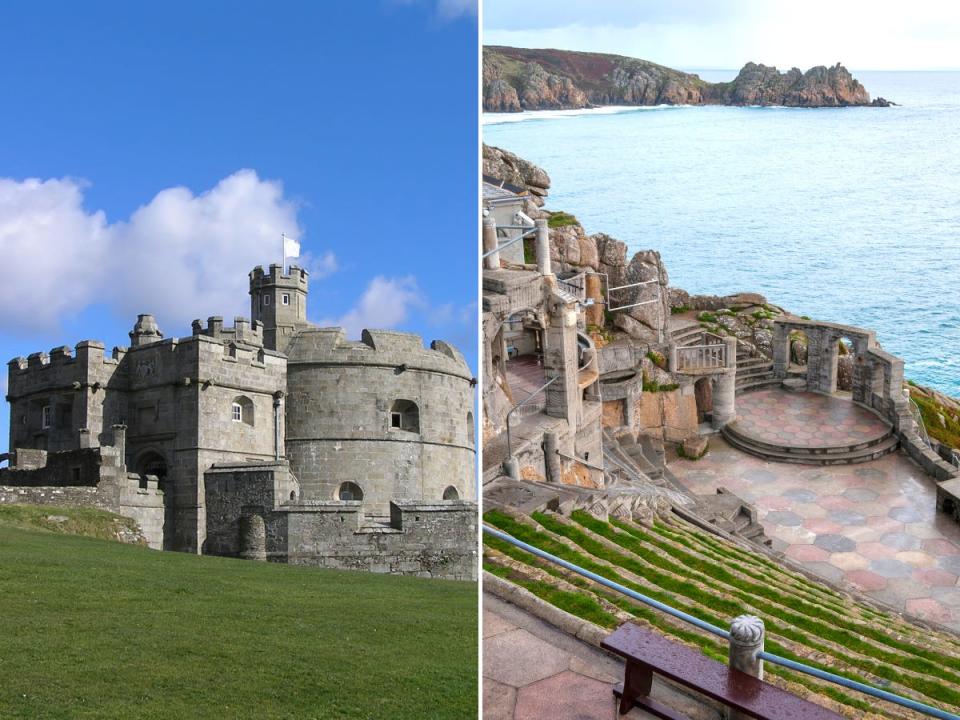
[(594, 313), (560, 359), (511, 468), (543, 247), (120, 442), (492, 261), (551, 457), (746, 642), (724, 398), (672, 357), (253, 536), (829, 355), (781, 350), (630, 407)]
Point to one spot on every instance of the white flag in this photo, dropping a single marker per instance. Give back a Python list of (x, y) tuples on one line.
[(291, 247)]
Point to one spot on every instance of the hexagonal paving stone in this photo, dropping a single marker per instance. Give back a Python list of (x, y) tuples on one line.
[(906, 514), (916, 558), (866, 581), (860, 494), (799, 494), (937, 578), (940, 547), (807, 553), (875, 550), (950, 563), (890, 568), (823, 525), (834, 543), (929, 609), (849, 561), (901, 541), (566, 696), (784, 517), (847, 517)]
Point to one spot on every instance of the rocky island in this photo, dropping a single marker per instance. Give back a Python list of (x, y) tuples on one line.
[(517, 79)]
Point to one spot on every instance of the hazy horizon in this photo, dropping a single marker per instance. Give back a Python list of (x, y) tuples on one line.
[(714, 34)]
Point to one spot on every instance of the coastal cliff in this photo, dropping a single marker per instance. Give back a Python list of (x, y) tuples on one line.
[(516, 79)]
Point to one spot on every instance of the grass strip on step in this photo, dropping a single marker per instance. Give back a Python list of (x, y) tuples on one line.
[(561, 599), (832, 629)]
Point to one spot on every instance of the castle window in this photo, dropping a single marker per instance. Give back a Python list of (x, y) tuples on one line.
[(285, 298), (405, 415), (451, 493), (46, 415), (242, 410), (266, 299), (470, 429), (349, 491)]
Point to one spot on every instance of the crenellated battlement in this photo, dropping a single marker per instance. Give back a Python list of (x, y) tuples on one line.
[(376, 347), (244, 331), (294, 277)]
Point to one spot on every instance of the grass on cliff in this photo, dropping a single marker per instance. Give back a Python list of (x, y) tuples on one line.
[(941, 424), (99, 629), (561, 219)]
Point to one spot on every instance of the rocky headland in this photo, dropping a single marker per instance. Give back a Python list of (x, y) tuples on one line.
[(517, 79)]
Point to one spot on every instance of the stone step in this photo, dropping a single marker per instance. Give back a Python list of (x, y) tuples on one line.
[(757, 383), (751, 372), (686, 335), (887, 445), (734, 431), (752, 362)]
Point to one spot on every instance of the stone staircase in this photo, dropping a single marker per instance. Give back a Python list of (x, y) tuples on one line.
[(837, 455), (754, 373)]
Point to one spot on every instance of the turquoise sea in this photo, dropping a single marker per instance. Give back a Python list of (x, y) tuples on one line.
[(850, 215)]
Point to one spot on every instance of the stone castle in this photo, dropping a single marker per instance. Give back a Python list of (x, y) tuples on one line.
[(272, 439)]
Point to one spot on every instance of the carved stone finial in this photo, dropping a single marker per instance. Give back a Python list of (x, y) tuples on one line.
[(747, 630)]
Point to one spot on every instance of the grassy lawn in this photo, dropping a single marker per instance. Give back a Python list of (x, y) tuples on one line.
[(91, 628)]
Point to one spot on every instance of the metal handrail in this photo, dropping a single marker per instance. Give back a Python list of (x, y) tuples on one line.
[(918, 419), (720, 632), (500, 247), (520, 405)]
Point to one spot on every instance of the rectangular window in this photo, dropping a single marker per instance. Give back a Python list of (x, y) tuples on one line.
[(285, 298), (266, 299), (396, 420), (237, 412), (45, 416)]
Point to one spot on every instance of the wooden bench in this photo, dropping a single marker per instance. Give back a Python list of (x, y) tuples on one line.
[(647, 653)]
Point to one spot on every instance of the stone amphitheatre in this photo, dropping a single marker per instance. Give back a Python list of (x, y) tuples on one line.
[(717, 454)]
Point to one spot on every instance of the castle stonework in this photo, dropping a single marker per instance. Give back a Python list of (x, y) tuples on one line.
[(272, 439)]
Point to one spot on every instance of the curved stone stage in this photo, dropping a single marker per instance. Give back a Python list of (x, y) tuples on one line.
[(808, 428)]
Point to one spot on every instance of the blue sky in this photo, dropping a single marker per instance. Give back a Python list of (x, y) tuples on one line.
[(151, 153)]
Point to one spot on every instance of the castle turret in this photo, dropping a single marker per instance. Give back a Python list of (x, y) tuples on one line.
[(279, 303), (145, 331)]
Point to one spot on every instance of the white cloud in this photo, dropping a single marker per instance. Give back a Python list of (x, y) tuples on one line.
[(386, 303), (446, 9), (180, 256)]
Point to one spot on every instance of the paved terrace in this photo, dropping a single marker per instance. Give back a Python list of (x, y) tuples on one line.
[(871, 526), (533, 671)]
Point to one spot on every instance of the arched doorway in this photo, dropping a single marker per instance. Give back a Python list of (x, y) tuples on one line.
[(703, 392), (153, 463)]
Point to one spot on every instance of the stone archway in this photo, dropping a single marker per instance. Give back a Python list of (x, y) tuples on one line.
[(703, 393), (152, 462)]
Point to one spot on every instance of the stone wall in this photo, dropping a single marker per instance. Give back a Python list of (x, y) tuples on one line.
[(256, 512), (425, 539), (341, 396)]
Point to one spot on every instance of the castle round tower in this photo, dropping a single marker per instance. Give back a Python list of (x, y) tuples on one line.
[(379, 420)]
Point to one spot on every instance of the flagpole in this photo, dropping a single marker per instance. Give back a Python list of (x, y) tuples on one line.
[(283, 252)]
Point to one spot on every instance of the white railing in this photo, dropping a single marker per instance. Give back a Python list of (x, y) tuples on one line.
[(576, 286), (702, 357)]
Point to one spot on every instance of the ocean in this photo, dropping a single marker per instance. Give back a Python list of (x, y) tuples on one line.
[(850, 215)]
